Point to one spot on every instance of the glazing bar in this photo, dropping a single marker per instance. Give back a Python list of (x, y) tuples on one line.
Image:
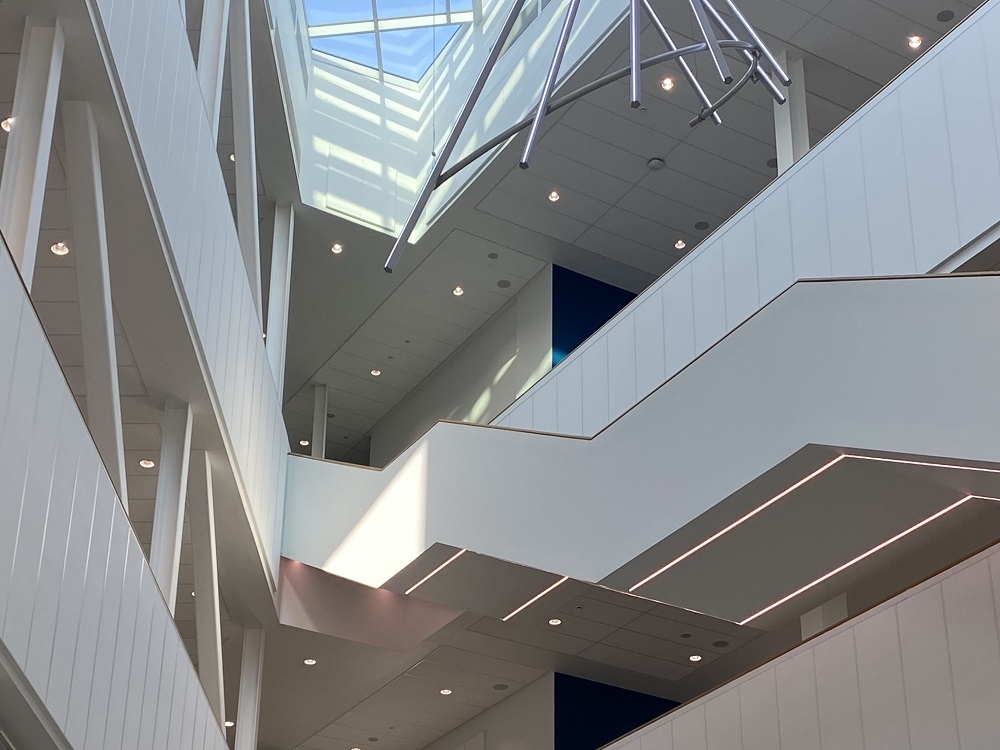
[(634, 53), (764, 78), (443, 155), (550, 81), (772, 62), (685, 68), (708, 34)]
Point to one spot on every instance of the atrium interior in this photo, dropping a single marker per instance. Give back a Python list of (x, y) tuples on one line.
[(672, 426)]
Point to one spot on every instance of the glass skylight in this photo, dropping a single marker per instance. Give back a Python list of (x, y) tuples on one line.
[(400, 38)]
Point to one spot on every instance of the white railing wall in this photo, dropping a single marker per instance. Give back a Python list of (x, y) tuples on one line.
[(80, 614), (149, 47), (921, 671), (899, 188)]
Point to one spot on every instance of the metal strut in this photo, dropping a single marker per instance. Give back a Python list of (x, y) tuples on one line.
[(761, 65)]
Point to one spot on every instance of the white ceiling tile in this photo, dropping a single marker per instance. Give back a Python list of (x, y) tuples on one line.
[(531, 215), (534, 188), (626, 250)]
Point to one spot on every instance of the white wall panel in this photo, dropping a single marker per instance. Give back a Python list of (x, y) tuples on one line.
[(880, 680), (919, 671), (740, 263), (972, 133), (650, 368), (901, 186), (149, 47), (81, 616), (723, 729), (570, 388), (621, 368), (595, 386), (974, 648)]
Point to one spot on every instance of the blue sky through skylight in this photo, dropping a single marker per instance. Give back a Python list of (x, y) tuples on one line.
[(403, 38)]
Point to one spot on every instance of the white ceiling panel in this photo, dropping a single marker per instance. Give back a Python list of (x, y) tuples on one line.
[(636, 662), (560, 170), (850, 51), (532, 215), (401, 358), (626, 251), (396, 333), (609, 158), (616, 129), (473, 248), (653, 234), (535, 187), (692, 191)]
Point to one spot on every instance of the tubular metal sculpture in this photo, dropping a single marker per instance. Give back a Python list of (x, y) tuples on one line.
[(762, 67)]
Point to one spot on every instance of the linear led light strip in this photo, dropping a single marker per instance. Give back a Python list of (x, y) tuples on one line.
[(436, 570), (861, 557), (536, 597), (794, 487), (737, 522)]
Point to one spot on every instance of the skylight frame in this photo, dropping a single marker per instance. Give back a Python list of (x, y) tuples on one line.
[(376, 26)]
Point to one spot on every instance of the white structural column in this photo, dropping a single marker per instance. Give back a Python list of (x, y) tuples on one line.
[(26, 162), (277, 297), (90, 246), (248, 709), (212, 57), (171, 495), (791, 123), (244, 143), (201, 515), (321, 400)]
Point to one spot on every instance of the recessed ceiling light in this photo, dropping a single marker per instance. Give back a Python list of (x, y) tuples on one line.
[(309, 662), (59, 248), (458, 291), (667, 83), (230, 723), (232, 157), (694, 657), (554, 196), (7, 124), (192, 593), (680, 244), (915, 41), (656, 163), (355, 748), (147, 464), (445, 691), (337, 248), (376, 372), (555, 621), (303, 443)]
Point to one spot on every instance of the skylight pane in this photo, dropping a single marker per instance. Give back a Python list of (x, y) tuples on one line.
[(409, 53), (461, 6), (357, 48), (410, 8), (325, 12)]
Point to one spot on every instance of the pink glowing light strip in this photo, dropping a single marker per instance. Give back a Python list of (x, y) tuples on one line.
[(859, 558), (536, 597), (737, 522), (436, 570), (882, 459)]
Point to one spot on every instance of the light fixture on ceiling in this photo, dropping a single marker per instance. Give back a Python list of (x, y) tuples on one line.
[(860, 557), (147, 464), (434, 572), (230, 724), (192, 593), (337, 248), (309, 662), (445, 691), (304, 443), (656, 163), (694, 657), (376, 372), (6, 124), (914, 41), (232, 157), (667, 83), (680, 244), (554, 196), (59, 248), (458, 291), (555, 621), (536, 597)]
